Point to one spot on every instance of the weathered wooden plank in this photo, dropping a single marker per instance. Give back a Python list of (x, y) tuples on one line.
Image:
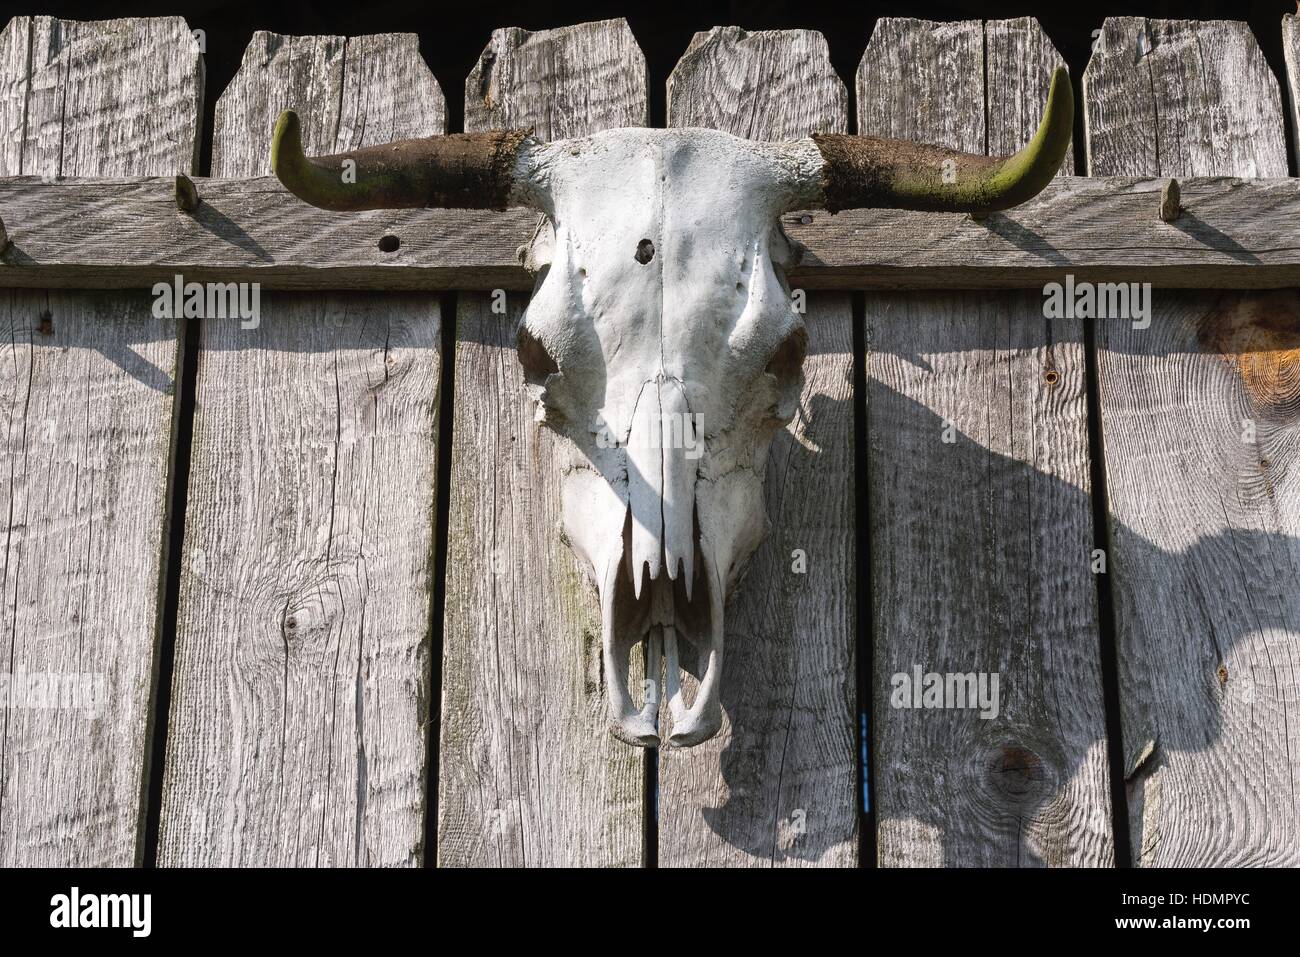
[(300, 702), (528, 773), (769, 85), (89, 386), (128, 234), (981, 520), (569, 82), (1181, 98), (1201, 428), (1291, 53), (778, 785)]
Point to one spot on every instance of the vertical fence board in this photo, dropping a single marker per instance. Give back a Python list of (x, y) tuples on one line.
[(1201, 425), (1291, 53), (778, 785), (300, 698), (980, 511), (88, 386), (528, 773)]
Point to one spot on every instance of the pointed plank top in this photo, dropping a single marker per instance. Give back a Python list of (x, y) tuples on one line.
[(99, 98), (349, 92), (571, 81), (1181, 98), (764, 85), (927, 81)]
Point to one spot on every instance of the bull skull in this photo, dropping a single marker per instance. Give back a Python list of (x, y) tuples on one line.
[(661, 337)]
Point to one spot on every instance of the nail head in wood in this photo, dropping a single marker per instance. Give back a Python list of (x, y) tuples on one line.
[(1170, 199), (187, 194)]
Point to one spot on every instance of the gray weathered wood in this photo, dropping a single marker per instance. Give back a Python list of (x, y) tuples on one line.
[(1291, 53), (779, 784), (88, 386), (128, 234), (1181, 98), (769, 85), (1201, 429), (981, 523), (528, 773), (569, 82), (300, 702)]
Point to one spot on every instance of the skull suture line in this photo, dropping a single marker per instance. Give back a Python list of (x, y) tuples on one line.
[(661, 339)]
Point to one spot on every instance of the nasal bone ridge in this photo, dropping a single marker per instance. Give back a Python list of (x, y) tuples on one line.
[(661, 482)]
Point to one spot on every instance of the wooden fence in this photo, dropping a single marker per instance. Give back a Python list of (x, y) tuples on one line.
[(302, 665)]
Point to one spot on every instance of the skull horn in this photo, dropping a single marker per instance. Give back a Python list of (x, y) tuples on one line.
[(861, 172), (463, 171)]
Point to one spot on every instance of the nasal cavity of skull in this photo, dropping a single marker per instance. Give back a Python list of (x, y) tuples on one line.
[(645, 251), (537, 362), (788, 358)]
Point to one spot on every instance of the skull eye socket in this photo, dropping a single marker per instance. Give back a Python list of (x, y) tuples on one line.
[(537, 362), (788, 358)]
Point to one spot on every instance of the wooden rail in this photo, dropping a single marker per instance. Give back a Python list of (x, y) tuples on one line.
[(128, 233)]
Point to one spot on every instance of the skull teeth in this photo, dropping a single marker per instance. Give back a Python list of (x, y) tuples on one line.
[(656, 619)]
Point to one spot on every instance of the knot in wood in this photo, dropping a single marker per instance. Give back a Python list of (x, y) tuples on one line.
[(1016, 773), (1259, 334)]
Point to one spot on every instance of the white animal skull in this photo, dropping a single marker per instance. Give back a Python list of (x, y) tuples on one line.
[(661, 339)]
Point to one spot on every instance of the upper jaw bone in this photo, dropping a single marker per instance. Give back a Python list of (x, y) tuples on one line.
[(703, 719), (637, 727), (654, 622)]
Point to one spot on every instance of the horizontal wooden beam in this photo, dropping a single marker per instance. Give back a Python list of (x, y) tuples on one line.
[(125, 233)]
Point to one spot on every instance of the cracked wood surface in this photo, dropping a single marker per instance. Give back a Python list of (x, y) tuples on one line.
[(779, 784), (88, 386), (981, 519), (301, 699), (1200, 419), (528, 772)]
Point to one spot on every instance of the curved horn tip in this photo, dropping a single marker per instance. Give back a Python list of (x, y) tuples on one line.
[(288, 162), (868, 171), (303, 176), (1028, 172), (1058, 115), (1015, 179), (286, 141)]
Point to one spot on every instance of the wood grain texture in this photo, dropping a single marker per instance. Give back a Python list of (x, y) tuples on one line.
[(99, 98), (1201, 429), (981, 518), (88, 386), (300, 701), (573, 81), (528, 773), (128, 234), (1181, 98), (768, 85), (1291, 53), (779, 783)]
